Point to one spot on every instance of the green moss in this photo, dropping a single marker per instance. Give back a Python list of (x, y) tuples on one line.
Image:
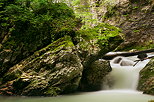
[(66, 40), (135, 7), (33, 27), (148, 71), (52, 91), (135, 31), (110, 13), (133, 45), (147, 78), (142, 47), (103, 36), (102, 31), (54, 47)]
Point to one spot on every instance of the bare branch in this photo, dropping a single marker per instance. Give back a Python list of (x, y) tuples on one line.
[(126, 54)]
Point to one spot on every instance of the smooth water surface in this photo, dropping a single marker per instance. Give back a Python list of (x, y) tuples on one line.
[(100, 96)]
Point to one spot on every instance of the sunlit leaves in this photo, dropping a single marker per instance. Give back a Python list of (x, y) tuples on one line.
[(31, 21), (101, 34)]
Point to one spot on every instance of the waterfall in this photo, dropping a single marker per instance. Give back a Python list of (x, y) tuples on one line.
[(124, 74)]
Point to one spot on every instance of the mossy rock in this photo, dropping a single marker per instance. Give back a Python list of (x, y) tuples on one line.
[(48, 72), (92, 79), (146, 81)]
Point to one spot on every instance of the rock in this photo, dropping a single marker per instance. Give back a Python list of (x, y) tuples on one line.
[(135, 18), (123, 61), (13, 54), (90, 52), (92, 79), (24, 37), (146, 80), (126, 62), (55, 69), (117, 60)]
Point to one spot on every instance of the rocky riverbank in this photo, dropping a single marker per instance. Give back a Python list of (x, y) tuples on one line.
[(55, 69), (51, 52), (146, 81)]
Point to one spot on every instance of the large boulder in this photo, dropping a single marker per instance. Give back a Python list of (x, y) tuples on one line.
[(93, 77), (55, 69), (146, 80)]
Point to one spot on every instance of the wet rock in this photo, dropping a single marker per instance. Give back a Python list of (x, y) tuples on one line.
[(92, 79), (125, 62), (117, 60), (94, 69), (146, 80)]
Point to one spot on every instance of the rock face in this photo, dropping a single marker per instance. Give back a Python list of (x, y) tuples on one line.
[(53, 70), (135, 18), (146, 81), (92, 79)]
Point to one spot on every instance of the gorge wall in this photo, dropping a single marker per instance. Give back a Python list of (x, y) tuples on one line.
[(135, 18)]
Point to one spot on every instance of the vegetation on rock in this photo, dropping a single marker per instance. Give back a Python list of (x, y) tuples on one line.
[(92, 79), (27, 26), (53, 70), (133, 17), (147, 78)]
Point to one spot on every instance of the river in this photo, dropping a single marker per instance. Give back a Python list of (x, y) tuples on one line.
[(100, 96), (125, 79)]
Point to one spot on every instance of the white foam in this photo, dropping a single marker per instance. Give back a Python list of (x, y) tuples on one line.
[(124, 75)]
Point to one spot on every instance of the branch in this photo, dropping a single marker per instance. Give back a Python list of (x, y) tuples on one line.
[(126, 54), (142, 60)]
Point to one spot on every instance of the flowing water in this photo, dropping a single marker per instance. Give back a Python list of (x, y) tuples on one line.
[(125, 73), (124, 79)]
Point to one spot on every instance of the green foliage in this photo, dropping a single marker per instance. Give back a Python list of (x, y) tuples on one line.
[(35, 21), (29, 25), (136, 7), (133, 45), (135, 31), (102, 33), (107, 31), (82, 10), (76, 2)]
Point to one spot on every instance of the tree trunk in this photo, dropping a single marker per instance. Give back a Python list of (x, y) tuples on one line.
[(126, 54)]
